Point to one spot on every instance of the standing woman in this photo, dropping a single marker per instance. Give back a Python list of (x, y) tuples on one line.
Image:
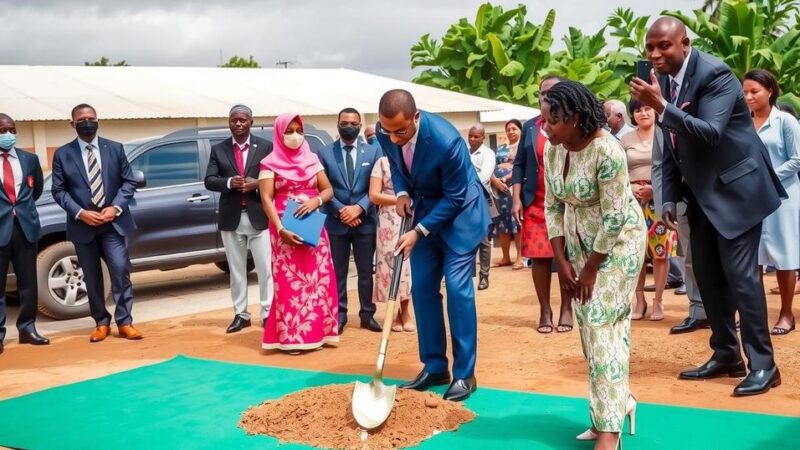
[(593, 218), (780, 233), (638, 146), (505, 225), (381, 193), (304, 314)]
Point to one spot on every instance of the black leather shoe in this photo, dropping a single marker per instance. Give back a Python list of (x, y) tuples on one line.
[(371, 325), (758, 382), (461, 389), (483, 283), (425, 380), (341, 327), (680, 290), (238, 323), (688, 325), (714, 369), (33, 338), (1, 348)]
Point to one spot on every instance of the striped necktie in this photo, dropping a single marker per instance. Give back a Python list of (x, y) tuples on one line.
[(95, 179)]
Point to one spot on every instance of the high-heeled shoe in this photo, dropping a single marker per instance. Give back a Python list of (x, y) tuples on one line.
[(630, 413), (658, 310)]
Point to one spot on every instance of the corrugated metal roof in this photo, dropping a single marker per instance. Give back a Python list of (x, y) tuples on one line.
[(36, 93)]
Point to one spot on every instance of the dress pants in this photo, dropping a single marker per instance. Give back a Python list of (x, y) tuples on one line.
[(696, 309), (432, 259), (727, 274), (111, 247), (22, 254), (236, 245), (363, 246), (485, 256)]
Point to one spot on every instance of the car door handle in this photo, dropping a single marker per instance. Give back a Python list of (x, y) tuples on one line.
[(198, 198)]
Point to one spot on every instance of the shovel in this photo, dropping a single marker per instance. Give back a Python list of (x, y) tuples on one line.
[(373, 401)]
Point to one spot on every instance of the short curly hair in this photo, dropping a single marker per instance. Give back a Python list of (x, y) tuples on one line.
[(568, 98)]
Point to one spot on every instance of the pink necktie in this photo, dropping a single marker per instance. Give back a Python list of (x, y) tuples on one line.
[(408, 155), (239, 157)]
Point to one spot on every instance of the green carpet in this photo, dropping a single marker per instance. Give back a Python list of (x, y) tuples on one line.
[(187, 403)]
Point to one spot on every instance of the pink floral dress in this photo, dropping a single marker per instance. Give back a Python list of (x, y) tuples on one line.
[(388, 232)]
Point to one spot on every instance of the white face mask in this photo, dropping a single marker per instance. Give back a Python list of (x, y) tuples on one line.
[(294, 140)]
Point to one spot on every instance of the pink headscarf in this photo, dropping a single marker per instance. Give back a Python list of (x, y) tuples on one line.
[(295, 165)]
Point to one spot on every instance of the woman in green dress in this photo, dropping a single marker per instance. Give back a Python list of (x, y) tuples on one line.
[(594, 219)]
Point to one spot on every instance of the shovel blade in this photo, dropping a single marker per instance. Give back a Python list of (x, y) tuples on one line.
[(372, 403)]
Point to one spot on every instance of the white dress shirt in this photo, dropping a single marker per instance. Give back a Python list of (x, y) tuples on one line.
[(16, 169), (484, 160), (678, 78)]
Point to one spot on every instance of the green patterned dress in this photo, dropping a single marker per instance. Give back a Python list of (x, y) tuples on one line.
[(593, 207)]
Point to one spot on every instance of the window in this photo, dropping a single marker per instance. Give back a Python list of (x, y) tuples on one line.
[(169, 165)]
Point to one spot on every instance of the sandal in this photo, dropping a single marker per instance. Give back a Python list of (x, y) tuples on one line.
[(636, 315), (518, 267), (545, 328), (780, 331), (501, 264), (563, 328), (658, 311)]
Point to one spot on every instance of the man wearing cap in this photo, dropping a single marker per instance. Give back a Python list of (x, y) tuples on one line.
[(233, 172)]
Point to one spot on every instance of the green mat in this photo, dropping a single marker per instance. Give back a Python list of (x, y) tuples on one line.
[(187, 403)]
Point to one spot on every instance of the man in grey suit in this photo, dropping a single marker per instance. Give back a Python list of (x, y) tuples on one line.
[(714, 159)]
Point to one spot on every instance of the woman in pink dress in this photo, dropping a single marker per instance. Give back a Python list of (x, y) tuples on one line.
[(304, 313)]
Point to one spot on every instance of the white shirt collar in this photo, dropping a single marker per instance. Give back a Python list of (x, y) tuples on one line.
[(13, 153), (354, 144), (247, 142), (480, 149), (682, 73), (83, 143)]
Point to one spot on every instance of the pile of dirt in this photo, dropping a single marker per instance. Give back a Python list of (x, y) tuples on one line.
[(321, 417)]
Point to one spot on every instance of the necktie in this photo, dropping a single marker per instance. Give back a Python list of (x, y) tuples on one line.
[(238, 156), (351, 164), (408, 155), (8, 180), (673, 98), (95, 179)]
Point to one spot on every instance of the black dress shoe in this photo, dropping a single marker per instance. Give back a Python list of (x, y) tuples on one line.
[(425, 380), (688, 325), (33, 338), (461, 389), (238, 323), (483, 283), (680, 290), (371, 325), (758, 382), (714, 369), (341, 327)]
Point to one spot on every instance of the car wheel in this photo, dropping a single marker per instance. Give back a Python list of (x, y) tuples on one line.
[(223, 266), (62, 291)]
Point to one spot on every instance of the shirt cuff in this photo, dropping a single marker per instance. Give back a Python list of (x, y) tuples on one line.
[(402, 194), (77, 216), (424, 230), (119, 210), (228, 184), (664, 103)]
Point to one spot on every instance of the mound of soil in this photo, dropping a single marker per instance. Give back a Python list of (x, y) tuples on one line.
[(321, 417)]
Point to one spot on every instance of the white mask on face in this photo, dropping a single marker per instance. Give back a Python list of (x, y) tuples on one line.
[(294, 140)]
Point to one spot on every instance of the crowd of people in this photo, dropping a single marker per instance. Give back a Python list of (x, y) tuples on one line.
[(697, 175)]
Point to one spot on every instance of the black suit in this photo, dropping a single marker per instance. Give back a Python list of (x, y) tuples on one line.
[(19, 235), (526, 166), (721, 167)]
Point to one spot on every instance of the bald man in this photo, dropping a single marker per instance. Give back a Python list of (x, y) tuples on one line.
[(714, 160), (617, 118), (484, 160)]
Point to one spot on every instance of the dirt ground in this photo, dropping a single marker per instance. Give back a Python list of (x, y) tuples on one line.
[(511, 354)]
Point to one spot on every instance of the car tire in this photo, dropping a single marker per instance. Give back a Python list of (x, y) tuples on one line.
[(62, 293), (223, 266)]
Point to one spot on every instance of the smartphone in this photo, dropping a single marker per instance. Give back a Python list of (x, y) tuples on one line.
[(643, 68)]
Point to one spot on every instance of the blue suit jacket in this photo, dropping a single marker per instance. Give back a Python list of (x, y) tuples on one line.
[(72, 192), (448, 197), (29, 192), (343, 193)]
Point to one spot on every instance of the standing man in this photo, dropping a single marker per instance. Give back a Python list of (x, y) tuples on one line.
[(716, 161), (617, 118), (233, 171), (484, 160), (431, 170), (93, 183), (352, 220), (21, 176)]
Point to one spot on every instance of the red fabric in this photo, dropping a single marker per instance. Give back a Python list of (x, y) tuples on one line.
[(8, 180), (535, 242)]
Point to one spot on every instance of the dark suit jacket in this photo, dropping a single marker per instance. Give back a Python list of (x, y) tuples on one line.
[(443, 184), (29, 192), (526, 166), (72, 192), (343, 193), (221, 167), (718, 153)]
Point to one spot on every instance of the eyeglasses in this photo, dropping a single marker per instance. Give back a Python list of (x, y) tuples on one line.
[(399, 133)]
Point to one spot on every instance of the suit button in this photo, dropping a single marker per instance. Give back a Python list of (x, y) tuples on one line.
[(422, 196)]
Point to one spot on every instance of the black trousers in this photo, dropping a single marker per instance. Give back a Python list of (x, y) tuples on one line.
[(728, 278), (363, 246), (22, 254)]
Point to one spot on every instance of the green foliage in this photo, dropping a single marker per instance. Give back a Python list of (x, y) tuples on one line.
[(103, 61), (239, 62)]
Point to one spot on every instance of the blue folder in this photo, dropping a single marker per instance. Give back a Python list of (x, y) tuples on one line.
[(308, 227)]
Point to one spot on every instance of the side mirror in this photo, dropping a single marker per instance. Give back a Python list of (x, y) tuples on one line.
[(138, 175)]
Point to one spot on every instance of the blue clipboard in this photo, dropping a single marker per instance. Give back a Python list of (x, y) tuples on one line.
[(308, 227)]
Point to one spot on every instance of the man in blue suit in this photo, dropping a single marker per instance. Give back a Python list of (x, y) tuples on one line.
[(21, 177), (352, 220), (93, 183), (436, 182)]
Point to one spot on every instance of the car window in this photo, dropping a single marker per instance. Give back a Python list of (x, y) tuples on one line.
[(170, 164)]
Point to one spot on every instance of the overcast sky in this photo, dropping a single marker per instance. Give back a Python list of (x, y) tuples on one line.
[(371, 36)]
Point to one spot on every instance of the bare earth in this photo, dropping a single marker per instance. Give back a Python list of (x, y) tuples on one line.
[(511, 354)]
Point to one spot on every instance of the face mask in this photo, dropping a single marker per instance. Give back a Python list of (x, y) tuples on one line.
[(86, 128), (349, 133), (372, 140), (294, 140), (7, 141)]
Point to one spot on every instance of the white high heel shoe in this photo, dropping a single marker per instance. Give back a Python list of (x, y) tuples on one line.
[(590, 435)]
